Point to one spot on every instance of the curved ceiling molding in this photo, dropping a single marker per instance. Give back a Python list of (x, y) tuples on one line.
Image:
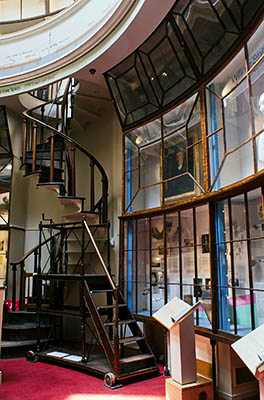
[(65, 43)]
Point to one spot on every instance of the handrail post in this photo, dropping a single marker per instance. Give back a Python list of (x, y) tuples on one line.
[(73, 173), (92, 186), (39, 253), (52, 157), (116, 336), (24, 135), (34, 146), (105, 194), (14, 268), (22, 287)]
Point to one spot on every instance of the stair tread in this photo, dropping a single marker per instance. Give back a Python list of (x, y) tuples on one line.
[(138, 357), (101, 290), (110, 306), (26, 325), (17, 343), (120, 322), (130, 339)]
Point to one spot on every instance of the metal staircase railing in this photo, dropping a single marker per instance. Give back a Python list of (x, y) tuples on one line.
[(48, 146)]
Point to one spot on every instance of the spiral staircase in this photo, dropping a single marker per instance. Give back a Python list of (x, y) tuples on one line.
[(81, 319)]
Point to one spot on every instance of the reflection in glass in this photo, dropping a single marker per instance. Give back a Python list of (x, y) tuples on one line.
[(177, 117), (240, 162), (149, 160), (255, 213), (236, 113), (214, 110), (216, 155), (147, 198), (157, 234), (145, 134)]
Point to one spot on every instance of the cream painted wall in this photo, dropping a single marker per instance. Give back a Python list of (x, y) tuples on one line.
[(104, 140)]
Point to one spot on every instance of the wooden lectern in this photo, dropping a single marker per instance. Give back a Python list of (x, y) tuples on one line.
[(2, 293), (250, 349), (177, 317)]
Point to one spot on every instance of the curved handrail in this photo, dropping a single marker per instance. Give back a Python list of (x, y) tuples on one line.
[(31, 251), (63, 101), (21, 262), (67, 139)]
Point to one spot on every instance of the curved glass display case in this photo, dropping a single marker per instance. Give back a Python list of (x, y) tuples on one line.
[(193, 221)]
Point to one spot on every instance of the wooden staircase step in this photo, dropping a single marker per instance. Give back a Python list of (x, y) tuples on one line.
[(110, 306), (72, 200), (20, 343), (91, 217), (26, 325), (131, 339), (120, 322), (136, 358), (101, 291), (55, 186)]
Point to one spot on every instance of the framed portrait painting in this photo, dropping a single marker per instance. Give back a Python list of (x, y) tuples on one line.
[(178, 166)]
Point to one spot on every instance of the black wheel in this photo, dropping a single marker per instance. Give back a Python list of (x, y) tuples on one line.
[(109, 379), (166, 371), (30, 356)]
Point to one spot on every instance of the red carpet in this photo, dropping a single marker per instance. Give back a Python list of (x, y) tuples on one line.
[(23, 380)]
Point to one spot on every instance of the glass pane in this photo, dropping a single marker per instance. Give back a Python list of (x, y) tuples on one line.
[(173, 291), (147, 198), (237, 120), (177, 161), (167, 67), (145, 81), (214, 110), (259, 151), (180, 21), (241, 264), (240, 162), (143, 286), (131, 155), (157, 280), (238, 218), (202, 227), (131, 185), (143, 234), (257, 262), (178, 117), (133, 94), (175, 91), (152, 76), (227, 79), (255, 213), (172, 230), (259, 306), (117, 97), (216, 155), (243, 312), (173, 270), (255, 46), (157, 234), (194, 125), (149, 159), (197, 174), (146, 134)]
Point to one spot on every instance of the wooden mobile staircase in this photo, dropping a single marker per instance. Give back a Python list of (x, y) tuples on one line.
[(71, 290)]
